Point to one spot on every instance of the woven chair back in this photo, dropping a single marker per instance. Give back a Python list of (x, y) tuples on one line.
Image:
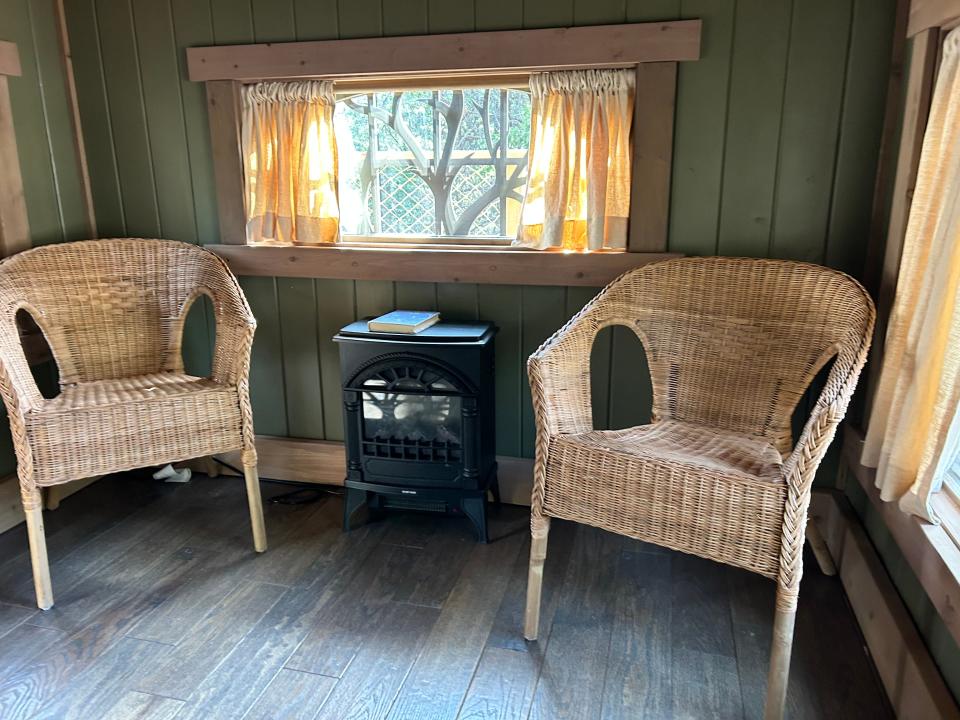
[(734, 343), (108, 308)]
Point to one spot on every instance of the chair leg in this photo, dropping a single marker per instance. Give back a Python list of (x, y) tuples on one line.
[(33, 509), (539, 530), (779, 662), (820, 550), (256, 506)]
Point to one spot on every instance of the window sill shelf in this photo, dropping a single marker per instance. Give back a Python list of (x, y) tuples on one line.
[(505, 267)]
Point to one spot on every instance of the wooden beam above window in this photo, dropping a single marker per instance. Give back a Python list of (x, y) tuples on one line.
[(9, 58), (501, 267), (623, 45)]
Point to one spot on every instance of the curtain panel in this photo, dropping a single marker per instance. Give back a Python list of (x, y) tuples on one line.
[(290, 163), (578, 184), (918, 393)]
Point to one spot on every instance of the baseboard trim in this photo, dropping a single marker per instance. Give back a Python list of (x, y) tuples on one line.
[(324, 462), (911, 679)]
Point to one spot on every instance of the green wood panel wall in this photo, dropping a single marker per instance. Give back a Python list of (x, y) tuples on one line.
[(43, 125), (777, 130)]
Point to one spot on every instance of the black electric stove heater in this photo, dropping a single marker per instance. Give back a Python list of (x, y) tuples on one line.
[(419, 420)]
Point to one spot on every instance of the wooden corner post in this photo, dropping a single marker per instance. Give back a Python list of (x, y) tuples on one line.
[(14, 227)]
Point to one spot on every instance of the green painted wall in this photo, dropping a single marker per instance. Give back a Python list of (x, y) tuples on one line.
[(45, 142), (776, 139), (777, 133)]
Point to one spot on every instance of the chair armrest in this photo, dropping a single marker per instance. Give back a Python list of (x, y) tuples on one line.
[(17, 385), (559, 373)]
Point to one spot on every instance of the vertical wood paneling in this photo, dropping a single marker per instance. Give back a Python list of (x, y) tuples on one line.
[(125, 100), (498, 14), (71, 211), (547, 13), (502, 305), (699, 132), (770, 156), (650, 10), (335, 308), (273, 20), (232, 21), (416, 296), (631, 395), (599, 12), (577, 297), (267, 394), (297, 307), (863, 102), (42, 122), (374, 297), (359, 18), (88, 71), (457, 302), (808, 140), (405, 17), (544, 311), (753, 126), (160, 75), (316, 19), (450, 17), (192, 27)]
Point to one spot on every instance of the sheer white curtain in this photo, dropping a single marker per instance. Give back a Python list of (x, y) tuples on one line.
[(918, 394), (290, 163), (578, 184)]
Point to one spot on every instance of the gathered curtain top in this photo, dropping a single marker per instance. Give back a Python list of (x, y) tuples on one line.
[(581, 81), (289, 92)]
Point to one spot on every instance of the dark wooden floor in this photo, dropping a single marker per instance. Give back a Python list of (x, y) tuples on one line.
[(164, 611)]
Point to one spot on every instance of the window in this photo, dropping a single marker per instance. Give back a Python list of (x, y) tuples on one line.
[(426, 164)]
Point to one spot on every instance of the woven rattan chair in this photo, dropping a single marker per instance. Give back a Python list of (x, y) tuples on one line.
[(113, 312), (732, 345)]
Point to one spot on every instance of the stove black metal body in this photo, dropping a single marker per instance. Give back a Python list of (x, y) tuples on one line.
[(419, 420)]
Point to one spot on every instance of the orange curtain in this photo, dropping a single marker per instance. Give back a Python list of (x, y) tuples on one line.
[(918, 395), (290, 163), (578, 181)]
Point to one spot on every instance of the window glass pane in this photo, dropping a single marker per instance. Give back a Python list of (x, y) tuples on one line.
[(446, 163)]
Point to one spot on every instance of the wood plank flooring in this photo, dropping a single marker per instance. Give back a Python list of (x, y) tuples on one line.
[(163, 611)]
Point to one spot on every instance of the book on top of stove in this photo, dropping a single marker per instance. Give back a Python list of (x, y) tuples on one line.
[(403, 321)]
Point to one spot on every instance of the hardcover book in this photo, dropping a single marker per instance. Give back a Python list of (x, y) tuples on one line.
[(403, 321)]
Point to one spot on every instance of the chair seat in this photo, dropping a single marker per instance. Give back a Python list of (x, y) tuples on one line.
[(112, 425), (695, 446), (711, 493)]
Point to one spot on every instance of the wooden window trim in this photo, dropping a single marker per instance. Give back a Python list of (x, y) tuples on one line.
[(497, 266), (929, 550), (927, 14), (651, 49)]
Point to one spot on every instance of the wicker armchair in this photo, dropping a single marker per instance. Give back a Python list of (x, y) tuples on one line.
[(113, 312), (732, 345)]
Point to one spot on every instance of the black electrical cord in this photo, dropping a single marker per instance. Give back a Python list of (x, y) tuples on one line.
[(300, 496)]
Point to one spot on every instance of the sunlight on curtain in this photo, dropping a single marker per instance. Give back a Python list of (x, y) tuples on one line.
[(578, 186), (919, 390), (290, 163)]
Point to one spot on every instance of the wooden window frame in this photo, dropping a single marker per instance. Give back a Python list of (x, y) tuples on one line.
[(932, 551), (652, 50)]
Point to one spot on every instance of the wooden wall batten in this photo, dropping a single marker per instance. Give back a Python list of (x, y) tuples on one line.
[(223, 109), (9, 58), (14, 227), (621, 45)]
